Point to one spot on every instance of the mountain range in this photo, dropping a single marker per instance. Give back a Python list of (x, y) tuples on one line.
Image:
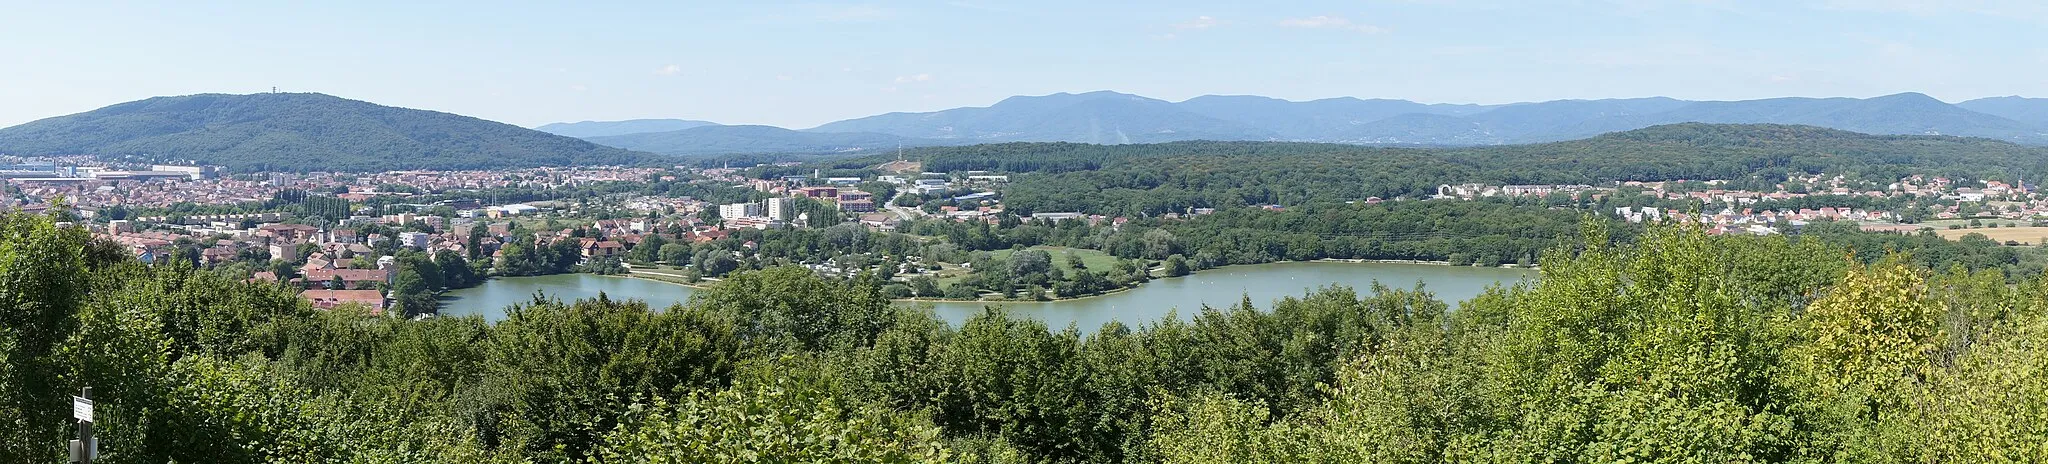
[(1105, 117), (721, 139), (302, 132), (309, 131), (631, 126)]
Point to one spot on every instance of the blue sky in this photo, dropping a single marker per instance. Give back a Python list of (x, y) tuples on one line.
[(799, 64)]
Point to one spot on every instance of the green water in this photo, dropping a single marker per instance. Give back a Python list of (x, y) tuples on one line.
[(1223, 287)]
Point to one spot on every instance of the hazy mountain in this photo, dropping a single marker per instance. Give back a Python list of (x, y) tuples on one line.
[(1317, 119), (1093, 117), (1109, 117), (587, 129), (1904, 114), (2032, 111), (721, 140), (301, 131), (1518, 122)]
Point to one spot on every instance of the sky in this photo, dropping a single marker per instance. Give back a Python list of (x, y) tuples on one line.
[(801, 64)]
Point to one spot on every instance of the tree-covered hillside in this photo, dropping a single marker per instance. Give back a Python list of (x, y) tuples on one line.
[(303, 132), (1171, 177)]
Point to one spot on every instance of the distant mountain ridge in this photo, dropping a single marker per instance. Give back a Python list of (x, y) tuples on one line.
[(2027, 110), (1105, 117), (303, 132), (720, 140), (1101, 117), (610, 128)]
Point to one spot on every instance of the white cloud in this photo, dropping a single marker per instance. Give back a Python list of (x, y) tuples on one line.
[(913, 78), (1199, 23), (578, 87), (669, 70), (1331, 22), (784, 77)]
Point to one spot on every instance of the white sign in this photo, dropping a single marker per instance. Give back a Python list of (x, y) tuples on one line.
[(81, 408)]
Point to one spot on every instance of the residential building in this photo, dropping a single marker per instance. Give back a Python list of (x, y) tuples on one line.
[(1057, 217), (857, 206), (777, 208), (594, 248), (739, 210), (414, 240), (819, 192)]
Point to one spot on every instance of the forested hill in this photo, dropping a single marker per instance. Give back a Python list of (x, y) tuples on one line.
[(1149, 179), (1678, 151), (302, 131), (1730, 151)]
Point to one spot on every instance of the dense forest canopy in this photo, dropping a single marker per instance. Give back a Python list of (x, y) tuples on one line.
[(1700, 151), (1172, 177), (301, 132)]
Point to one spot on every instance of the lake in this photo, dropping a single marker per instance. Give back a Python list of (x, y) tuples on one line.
[(1223, 287), (491, 298)]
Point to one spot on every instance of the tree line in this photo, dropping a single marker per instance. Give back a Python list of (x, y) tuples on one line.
[(1676, 346)]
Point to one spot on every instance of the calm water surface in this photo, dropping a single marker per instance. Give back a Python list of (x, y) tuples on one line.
[(1223, 287), (491, 298)]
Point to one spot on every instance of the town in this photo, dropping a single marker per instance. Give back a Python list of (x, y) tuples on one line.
[(345, 238)]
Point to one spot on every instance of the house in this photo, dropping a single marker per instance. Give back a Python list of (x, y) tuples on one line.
[(1057, 217), (880, 221), (330, 299), (343, 236), (288, 232), (217, 254), (593, 248)]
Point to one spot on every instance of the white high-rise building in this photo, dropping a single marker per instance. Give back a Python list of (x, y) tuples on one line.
[(777, 208), (739, 210)]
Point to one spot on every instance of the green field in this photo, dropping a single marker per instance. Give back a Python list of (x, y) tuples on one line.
[(1942, 224), (2023, 235), (1095, 260)]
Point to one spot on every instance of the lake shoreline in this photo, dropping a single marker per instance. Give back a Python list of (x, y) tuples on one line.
[(1144, 303), (644, 276)]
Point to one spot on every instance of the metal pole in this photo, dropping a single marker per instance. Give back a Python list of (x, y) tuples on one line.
[(84, 449), (85, 432)]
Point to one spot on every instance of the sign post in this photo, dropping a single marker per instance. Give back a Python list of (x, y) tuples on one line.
[(84, 449)]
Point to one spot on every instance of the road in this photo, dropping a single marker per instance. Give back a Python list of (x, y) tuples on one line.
[(903, 214)]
